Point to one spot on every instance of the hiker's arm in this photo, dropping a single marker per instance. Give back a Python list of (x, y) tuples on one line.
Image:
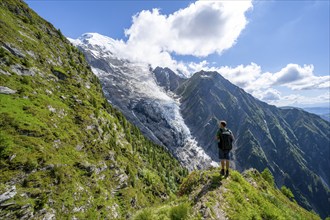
[(217, 137)]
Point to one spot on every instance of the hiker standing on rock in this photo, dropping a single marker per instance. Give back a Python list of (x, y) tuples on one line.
[(225, 139)]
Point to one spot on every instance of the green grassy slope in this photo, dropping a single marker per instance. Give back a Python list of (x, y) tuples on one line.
[(64, 151), (251, 195)]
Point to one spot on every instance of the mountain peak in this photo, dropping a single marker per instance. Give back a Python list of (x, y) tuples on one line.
[(99, 45), (96, 39)]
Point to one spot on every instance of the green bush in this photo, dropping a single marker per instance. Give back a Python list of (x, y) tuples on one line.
[(268, 176), (179, 212), (2, 52), (287, 192), (26, 62), (145, 214), (39, 35), (189, 183)]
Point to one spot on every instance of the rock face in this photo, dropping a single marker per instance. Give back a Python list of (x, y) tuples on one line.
[(6, 90), (8, 194), (167, 79)]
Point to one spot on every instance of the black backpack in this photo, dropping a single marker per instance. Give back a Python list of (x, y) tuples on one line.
[(226, 139)]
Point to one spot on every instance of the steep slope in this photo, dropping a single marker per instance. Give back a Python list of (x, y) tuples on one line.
[(65, 153), (265, 136), (207, 195), (310, 132), (132, 88)]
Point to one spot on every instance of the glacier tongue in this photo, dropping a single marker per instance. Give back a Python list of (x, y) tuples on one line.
[(138, 82)]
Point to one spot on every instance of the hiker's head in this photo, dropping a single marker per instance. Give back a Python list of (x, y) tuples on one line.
[(223, 124)]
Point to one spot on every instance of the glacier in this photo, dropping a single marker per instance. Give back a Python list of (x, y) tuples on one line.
[(131, 87)]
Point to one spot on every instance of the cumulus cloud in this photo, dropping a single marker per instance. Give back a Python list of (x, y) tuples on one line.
[(201, 29), (301, 100), (206, 27), (292, 73), (275, 97), (242, 76), (269, 95), (300, 78), (293, 76), (262, 84)]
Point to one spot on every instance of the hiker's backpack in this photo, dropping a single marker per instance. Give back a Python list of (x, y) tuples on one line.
[(226, 139)]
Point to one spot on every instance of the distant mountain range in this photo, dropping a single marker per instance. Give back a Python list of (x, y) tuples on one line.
[(182, 115), (324, 112)]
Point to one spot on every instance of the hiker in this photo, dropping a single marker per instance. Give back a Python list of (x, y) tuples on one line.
[(225, 139)]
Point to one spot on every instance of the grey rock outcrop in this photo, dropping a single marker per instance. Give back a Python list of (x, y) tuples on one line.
[(10, 193), (22, 71), (6, 90)]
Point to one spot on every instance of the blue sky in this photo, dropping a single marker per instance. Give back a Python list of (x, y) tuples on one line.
[(279, 51)]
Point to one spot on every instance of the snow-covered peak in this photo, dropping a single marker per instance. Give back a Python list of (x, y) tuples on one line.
[(96, 39), (99, 45)]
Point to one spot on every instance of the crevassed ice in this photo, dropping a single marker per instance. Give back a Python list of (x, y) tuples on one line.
[(190, 154)]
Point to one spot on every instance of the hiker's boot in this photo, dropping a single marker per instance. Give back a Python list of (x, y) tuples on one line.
[(222, 172), (227, 172)]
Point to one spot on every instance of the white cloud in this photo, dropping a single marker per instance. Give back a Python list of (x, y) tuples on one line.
[(292, 73), (275, 97), (206, 27), (269, 95), (300, 100), (201, 29), (300, 78), (292, 78), (242, 76)]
